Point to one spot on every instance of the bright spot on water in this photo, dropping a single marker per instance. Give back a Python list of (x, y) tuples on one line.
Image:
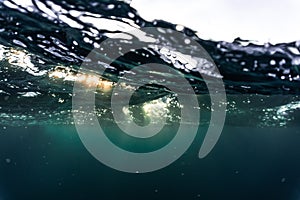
[(89, 80), (156, 109)]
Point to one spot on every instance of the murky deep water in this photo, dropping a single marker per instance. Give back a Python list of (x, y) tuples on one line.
[(248, 163)]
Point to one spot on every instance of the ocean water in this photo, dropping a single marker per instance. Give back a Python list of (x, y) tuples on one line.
[(43, 46), (51, 162)]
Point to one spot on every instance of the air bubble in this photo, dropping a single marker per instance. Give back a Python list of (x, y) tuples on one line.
[(18, 42), (179, 27), (273, 62), (296, 61), (131, 15), (111, 6), (187, 41)]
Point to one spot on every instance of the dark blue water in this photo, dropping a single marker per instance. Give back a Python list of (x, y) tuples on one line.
[(43, 44)]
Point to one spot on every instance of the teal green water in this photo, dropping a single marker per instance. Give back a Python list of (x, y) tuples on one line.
[(247, 163)]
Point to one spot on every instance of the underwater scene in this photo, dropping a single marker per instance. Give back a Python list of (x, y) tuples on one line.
[(97, 102)]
